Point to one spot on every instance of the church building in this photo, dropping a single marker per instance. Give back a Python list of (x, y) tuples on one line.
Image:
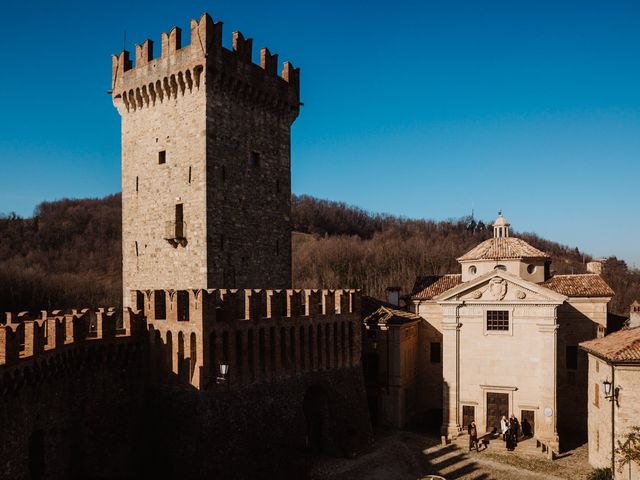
[(509, 332)]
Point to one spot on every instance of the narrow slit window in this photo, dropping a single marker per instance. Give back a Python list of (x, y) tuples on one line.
[(162, 157), (137, 250), (189, 174), (254, 159), (137, 184), (179, 221)]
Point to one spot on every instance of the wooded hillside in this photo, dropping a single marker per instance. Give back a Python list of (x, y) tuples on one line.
[(69, 253)]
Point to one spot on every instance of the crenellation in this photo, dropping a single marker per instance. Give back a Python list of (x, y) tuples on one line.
[(242, 47), (220, 330), (277, 306), (296, 305), (314, 302), (257, 304), (171, 42), (144, 53), (269, 62)]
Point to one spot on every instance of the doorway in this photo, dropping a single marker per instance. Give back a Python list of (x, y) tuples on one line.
[(497, 407), (468, 415), (530, 418)]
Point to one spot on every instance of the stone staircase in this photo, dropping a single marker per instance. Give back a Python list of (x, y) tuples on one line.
[(491, 443)]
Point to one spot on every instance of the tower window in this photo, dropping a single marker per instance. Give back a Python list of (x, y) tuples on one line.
[(572, 357), (497, 320), (137, 184), (180, 233), (189, 174), (254, 159), (162, 157), (531, 269), (434, 352), (473, 269)]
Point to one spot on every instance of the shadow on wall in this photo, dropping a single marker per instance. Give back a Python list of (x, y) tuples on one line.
[(268, 429)]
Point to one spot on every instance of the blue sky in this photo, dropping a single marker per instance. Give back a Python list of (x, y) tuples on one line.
[(417, 108)]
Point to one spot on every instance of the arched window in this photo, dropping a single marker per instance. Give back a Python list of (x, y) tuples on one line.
[(502, 268), (302, 349)]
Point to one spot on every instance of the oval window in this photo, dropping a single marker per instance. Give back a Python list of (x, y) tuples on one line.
[(473, 269), (531, 269), (501, 268)]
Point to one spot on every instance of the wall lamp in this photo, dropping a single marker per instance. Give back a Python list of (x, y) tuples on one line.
[(610, 392), (224, 371)]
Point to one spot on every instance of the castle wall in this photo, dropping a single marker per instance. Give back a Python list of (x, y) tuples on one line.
[(294, 383), (72, 389)]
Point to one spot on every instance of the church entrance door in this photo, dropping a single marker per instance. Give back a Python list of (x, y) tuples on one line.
[(497, 406)]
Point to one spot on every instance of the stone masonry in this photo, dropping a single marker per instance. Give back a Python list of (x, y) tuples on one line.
[(205, 163)]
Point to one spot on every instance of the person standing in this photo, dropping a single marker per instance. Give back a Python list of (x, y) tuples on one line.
[(473, 436), (510, 436), (504, 426)]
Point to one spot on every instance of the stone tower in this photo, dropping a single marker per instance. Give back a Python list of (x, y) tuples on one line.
[(206, 183)]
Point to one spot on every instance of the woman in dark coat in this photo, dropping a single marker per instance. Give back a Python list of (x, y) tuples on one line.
[(511, 436)]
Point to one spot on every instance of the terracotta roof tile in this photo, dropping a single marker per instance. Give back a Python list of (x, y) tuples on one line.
[(621, 346), (425, 288), (501, 248), (390, 316), (582, 285)]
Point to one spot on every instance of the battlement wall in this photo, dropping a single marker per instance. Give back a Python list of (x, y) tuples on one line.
[(261, 334), (180, 69), (23, 337)]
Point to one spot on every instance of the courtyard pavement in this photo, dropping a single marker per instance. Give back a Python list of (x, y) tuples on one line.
[(411, 456)]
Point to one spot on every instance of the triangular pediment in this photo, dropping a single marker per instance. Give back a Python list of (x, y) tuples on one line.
[(500, 286)]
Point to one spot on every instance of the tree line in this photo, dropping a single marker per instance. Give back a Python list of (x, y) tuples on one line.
[(68, 254)]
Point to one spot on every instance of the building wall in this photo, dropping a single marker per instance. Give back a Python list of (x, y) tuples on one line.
[(518, 362), (626, 412), (599, 414), (513, 266), (429, 392), (579, 320)]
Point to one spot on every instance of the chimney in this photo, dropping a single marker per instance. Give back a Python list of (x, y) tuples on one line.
[(595, 267), (393, 296), (634, 315)]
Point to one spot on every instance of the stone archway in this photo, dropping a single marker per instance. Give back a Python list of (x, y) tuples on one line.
[(316, 413)]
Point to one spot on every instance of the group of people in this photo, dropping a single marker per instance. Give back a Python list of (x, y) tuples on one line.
[(510, 429)]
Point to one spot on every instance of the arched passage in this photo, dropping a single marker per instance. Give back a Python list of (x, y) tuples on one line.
[(316, 413)]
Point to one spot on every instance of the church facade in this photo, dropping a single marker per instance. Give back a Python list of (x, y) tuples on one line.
[(509, 334)]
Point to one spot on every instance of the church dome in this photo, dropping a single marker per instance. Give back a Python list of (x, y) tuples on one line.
[(503, 248)]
